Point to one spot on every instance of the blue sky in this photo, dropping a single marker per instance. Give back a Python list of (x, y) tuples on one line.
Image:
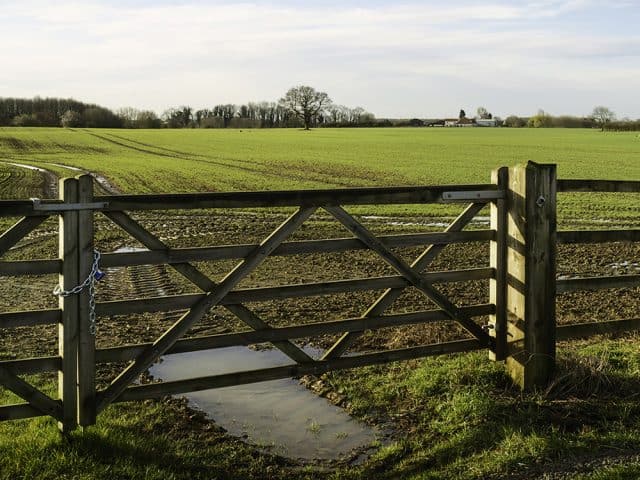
[(396, 59)]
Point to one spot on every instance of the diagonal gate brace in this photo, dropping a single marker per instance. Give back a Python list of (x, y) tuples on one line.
[(410, 274), (200, 308), (391, 295), (203, 282), (31, 394)]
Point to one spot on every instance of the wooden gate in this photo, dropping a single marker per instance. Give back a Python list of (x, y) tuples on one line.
[(521, 328)]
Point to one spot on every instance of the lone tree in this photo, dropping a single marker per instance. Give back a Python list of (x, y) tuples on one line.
[(462, 114), (305, 103), (602, 115)]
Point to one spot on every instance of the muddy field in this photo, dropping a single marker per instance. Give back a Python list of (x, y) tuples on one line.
[(223, 228)]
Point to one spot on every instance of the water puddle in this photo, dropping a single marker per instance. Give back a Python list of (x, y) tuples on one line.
[(624, 267), (102, 180), (279, 416), (28, 167), (68, 167), (435, 222)]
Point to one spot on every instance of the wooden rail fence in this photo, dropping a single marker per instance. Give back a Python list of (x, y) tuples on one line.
[(521, 299)]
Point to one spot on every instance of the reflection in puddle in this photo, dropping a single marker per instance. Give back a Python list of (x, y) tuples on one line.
[(280, 415)]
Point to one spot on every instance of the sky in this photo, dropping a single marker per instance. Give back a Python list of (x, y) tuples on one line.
[(397, 59)]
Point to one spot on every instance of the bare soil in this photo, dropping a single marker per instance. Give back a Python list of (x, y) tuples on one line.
[(182, 230)]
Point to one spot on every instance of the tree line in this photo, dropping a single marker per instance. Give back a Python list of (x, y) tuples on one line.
[(300, 107), (601, 117), (55, 112)]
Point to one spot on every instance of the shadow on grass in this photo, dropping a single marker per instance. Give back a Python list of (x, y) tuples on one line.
[(485, 430), (150, 441)]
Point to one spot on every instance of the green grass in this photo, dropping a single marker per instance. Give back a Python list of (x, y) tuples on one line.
[(137, 441), (465, 421), (458, 418), (140, 161)]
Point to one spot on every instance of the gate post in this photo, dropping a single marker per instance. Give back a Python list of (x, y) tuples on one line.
[(498, 261), (86, 391), (531, 274), (68, 326)]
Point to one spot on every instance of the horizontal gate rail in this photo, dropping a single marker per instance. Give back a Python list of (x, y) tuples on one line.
[(296, 198), (588, 329), (20, 411), (29, 318), (597, 283), (179, 302), (252, 337), (30, 267), (156, 390), (32, 365), (610, 186), (227, 252), (598, 236)]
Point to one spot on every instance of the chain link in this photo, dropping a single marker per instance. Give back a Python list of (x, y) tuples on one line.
[(89, 283)]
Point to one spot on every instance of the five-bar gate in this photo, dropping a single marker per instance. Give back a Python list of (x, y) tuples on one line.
[(521, 303)]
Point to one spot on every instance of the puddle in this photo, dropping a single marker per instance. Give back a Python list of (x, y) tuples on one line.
[(28, 167), (59, 165), (435, 222), (102, 180), (624, 267), (280, 416)]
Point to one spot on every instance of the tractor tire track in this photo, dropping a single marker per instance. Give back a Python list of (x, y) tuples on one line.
[(50, 179), (304, 170), (139, 281), (302, 173)]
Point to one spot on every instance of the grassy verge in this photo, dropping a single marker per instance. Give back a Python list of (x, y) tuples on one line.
[(454, 417)]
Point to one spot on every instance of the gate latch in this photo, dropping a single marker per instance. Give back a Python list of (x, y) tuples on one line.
[(44, 207)]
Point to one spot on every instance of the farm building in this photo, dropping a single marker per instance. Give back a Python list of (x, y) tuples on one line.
[(486, 122)]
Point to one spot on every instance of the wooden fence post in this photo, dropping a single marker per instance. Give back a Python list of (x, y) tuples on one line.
[(86, 345), (68, 326), (498, 261), (531, 270)]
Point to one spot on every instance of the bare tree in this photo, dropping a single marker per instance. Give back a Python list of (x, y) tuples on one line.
[(305, 103), (602, 115)]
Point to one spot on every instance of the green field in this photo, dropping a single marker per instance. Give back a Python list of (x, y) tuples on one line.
[(452, 417), (142, 161)]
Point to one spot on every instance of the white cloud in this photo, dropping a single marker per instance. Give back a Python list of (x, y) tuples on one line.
[(155, 56)]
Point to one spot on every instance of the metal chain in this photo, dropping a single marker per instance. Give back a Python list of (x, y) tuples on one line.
[(89, 283)]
